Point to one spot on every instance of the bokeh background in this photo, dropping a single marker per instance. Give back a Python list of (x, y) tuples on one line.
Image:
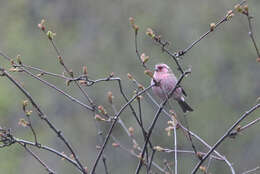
[(224, 81)]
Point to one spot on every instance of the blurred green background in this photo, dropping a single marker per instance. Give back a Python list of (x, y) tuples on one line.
[(224, 81)]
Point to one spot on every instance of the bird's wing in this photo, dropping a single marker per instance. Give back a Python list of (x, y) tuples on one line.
[(173, 80), (169, 82)]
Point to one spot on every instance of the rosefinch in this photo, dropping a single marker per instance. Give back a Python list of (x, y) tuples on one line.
[(167, 81)]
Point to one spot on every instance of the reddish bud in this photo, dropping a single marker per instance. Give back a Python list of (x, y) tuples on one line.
[(110, 97), (132, 22), (41, 25), (115, 144), (131, 131), (99, 118), (85, 71)]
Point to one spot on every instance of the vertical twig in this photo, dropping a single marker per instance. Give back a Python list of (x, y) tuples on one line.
[(113, 125), (209, 162), (175, 149), (33, 131), (155, 120), (251, 34), (151, 160)]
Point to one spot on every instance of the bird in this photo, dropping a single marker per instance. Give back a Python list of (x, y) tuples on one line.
[(166, 80)]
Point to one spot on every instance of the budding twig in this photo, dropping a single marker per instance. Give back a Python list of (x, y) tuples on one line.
[(42, 115), (113, 125)]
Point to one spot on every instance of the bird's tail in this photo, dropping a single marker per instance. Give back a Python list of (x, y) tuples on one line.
[(184, 106)]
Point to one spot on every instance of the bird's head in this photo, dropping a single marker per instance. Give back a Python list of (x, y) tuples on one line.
[(162, 68)]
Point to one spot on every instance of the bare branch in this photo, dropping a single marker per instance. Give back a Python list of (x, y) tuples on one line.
[(38, 159), (113, 125), (225, 136), (155, 119), (42, 115), (252, 170), (251, 34)]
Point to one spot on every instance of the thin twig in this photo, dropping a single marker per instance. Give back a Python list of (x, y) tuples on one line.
[(43, 116), (92, 82), (144, 133), (50, 171), (129, 151), (175, 150), (209, 162), (113, 125), (224, 19), (192, 133), (174, 56), (252, 170), (240, 129), (137, 51), (190, 138), (151, 161), (105, 164), (249, 124), (32, 129), (46, 83), (43, 72), (190, 151), (42, 147), (60, 91), (178, 54), (67, 69), (251, 34), (225, 136), (101, 139), (155, 120)]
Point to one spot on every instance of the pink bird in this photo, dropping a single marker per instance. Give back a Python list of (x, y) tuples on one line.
[(167, 82)]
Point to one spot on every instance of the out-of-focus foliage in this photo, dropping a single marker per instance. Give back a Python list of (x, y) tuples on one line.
[(224, 80)]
